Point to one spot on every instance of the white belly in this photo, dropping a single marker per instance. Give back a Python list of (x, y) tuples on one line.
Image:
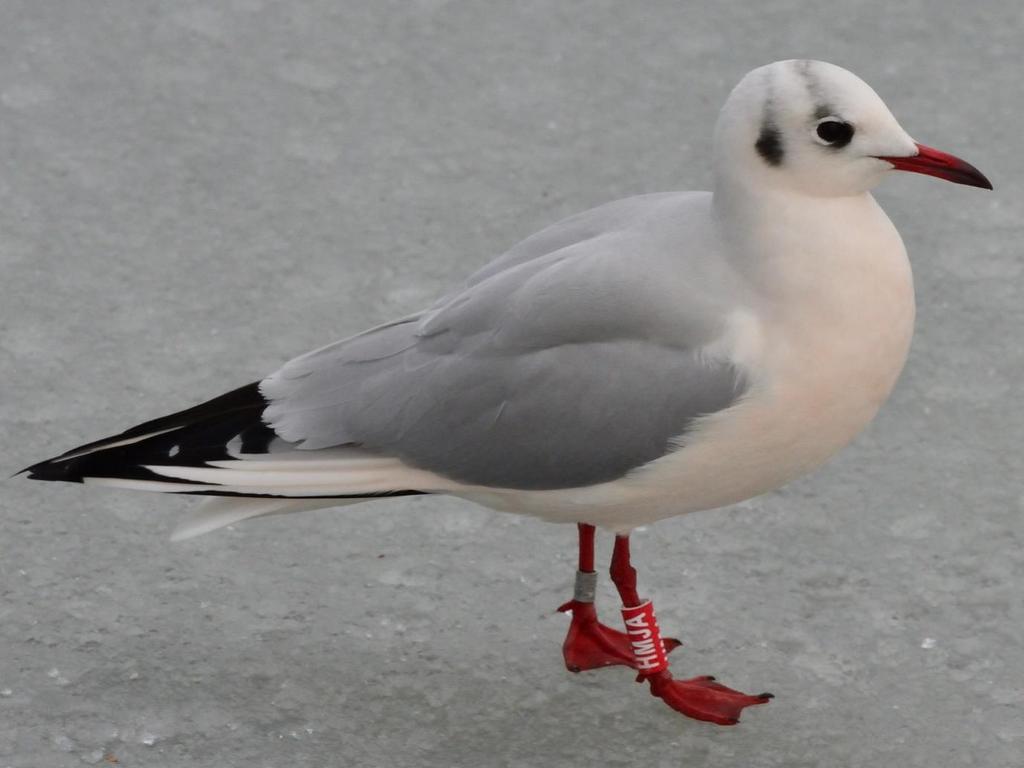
[(812, 401)]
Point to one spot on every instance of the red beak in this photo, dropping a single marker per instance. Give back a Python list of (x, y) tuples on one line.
[(932, 162)]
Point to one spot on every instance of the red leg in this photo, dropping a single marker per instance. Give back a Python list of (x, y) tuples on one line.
[(589, 643), (700, 697)]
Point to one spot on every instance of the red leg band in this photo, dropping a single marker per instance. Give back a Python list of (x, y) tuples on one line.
[(586, 537), (645, 638)]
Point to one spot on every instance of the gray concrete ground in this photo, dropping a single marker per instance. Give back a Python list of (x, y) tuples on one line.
[(192, 192)]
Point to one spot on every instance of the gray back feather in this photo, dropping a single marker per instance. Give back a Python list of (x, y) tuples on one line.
[(576, 357)]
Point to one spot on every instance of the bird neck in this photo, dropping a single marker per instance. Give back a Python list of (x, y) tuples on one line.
[(769, 233)]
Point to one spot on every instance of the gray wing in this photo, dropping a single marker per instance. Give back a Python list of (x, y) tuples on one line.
[(563, 367)]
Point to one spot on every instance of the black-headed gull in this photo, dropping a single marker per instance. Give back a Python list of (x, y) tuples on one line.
[(653, 356)]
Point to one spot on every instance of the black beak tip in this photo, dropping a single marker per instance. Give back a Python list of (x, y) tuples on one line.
[(972, 177)]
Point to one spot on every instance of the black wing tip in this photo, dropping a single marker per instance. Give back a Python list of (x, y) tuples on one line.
[(51, 469), (238, 410)]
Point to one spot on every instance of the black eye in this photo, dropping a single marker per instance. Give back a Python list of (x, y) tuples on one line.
[(835, 133)]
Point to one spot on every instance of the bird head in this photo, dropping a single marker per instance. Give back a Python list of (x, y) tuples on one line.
[(817, 129)]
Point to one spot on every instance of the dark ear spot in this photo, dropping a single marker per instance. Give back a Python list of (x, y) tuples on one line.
[(769, 144)]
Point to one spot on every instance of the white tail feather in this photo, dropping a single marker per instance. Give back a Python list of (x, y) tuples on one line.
[(222, 511), (159, 486), (296, 478)]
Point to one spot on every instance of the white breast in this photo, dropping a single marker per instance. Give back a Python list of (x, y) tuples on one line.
[(828, 350)]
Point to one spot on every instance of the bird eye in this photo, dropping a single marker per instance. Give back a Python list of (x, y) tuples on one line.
[(834, 133)]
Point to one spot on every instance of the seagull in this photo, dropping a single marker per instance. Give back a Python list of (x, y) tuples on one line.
[(651, 357)]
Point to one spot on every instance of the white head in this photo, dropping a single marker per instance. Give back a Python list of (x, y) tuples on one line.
[(814, 128)]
